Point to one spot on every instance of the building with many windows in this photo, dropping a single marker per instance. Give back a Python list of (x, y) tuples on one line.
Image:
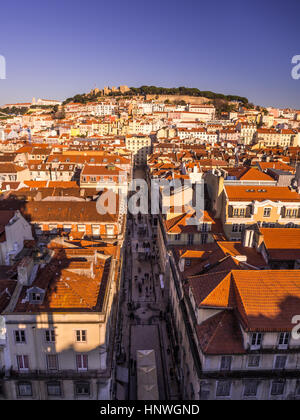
[(59, 326), (234, 333), (140, 146), (268, 206)]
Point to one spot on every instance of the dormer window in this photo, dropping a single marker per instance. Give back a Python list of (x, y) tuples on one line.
[(35, 295)]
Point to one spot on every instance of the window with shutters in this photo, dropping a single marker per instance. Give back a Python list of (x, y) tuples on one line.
[(235, 212)]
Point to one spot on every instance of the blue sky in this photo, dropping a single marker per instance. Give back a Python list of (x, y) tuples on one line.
[(55, 49)]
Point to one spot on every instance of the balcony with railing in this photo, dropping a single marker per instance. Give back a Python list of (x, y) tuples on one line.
[(58, 374), (239, 213)]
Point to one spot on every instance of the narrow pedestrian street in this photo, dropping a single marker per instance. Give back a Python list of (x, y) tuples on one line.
[(142, 307)]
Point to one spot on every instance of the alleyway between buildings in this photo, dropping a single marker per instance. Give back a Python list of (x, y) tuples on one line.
[(142, 308)]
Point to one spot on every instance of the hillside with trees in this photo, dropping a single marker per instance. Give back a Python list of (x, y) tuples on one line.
[(154, 90)]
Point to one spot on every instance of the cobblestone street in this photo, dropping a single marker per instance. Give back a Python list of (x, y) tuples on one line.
[(142, 313)]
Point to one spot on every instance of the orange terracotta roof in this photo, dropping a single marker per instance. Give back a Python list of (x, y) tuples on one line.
[(281, 238), (179, 224), (203, 286), (255, 175), (282, 244), (220, 335), (10, 168), (100, 170), (275, 165), (190, 254), (65, 211), (62, 184), (66, 290), (261, 193), (221, 296), (36, 184), (267, 300), (236, 249)]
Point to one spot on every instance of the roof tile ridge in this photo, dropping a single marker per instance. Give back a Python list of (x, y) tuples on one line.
[(74, 290)]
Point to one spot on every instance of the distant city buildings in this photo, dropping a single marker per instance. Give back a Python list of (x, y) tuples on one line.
[(228, 276)]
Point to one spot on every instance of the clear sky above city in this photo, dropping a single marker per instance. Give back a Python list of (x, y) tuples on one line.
[(55, 49)]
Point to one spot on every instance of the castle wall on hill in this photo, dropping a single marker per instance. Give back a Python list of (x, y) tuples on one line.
[(189, 99)]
